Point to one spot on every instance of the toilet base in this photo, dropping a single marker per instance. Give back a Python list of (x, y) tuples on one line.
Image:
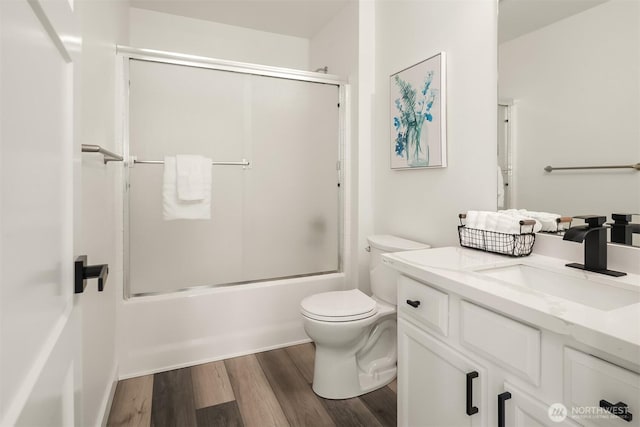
[(343, 380), (369, 366)]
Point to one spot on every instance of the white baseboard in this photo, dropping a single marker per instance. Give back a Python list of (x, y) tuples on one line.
[(215, 358)]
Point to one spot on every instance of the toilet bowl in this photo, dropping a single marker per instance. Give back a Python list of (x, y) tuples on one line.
[(354, 334)]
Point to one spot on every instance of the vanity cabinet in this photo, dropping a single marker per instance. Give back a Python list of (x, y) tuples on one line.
[(523, 410), (593, 384), (455, 355), (437, 386)]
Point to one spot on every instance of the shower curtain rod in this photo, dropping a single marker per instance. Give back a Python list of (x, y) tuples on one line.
[(243, 162)]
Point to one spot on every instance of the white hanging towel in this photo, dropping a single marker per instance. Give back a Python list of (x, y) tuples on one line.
[(172, 206), (190, 178)]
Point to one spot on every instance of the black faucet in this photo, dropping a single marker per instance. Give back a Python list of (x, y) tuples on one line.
[(622, 230), (594, 236)]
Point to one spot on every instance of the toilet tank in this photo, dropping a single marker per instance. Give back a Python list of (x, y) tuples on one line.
[(383, 278)]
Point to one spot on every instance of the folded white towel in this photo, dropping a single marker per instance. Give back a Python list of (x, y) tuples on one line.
[(500, 222), (190, 176), (172, 207)]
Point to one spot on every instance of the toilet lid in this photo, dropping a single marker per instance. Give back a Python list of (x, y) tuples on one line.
[(340, 306)]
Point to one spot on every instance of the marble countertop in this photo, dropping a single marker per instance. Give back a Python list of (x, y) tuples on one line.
[(615, 330)]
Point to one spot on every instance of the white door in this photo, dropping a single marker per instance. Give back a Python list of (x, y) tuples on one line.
[(39, 331), (433, 383)]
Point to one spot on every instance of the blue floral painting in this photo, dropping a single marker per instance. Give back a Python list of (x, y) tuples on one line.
[(417, 115)]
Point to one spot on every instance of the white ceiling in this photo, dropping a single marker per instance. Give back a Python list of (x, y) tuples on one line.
[(519, 17), (304, 18), (300, 18)]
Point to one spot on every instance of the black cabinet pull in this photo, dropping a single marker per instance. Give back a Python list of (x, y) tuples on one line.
[(470, 408), (620, 410), (502, 397), (413, 304)]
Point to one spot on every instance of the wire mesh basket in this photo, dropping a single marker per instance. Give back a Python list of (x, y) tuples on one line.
[(515, 245)]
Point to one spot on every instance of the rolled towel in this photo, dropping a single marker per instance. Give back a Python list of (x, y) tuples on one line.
[(501, 222), (477, 219), (548, 221), (495, 222)]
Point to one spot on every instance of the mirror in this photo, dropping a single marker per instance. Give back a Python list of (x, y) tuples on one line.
[(569, 91)]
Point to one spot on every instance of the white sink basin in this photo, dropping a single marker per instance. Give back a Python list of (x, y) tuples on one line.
[(580, 290)]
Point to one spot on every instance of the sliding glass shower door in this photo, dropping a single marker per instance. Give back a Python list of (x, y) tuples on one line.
[(277, 218)]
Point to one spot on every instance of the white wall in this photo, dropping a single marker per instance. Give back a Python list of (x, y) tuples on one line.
[(366, 89), (423, 204), (337, 47), (336, 44), (104, 24), (577, 102), (162, 31)]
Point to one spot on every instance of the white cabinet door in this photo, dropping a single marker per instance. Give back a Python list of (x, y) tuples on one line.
[(522, 410), (38, 331), (600, 393), (432, 383)]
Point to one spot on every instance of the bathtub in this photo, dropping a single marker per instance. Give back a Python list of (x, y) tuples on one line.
[(164, 332)]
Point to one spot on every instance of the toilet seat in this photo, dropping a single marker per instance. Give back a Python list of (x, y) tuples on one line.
[(339, 306)]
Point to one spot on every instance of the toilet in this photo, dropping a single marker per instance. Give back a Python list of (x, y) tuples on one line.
[(354, 334)]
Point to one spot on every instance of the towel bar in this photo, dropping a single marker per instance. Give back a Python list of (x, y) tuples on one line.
[(243, 162), (108, 155), (551, 168)]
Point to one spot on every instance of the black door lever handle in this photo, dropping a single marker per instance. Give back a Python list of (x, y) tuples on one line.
[(83, 272), (413, 304)]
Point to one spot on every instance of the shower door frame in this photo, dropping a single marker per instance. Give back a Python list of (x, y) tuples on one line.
[(127, 53), (510, 146)]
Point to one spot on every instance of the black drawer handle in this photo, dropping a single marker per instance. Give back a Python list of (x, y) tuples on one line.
[(470, 408), (620, 409), (413, 304), (502, 397)]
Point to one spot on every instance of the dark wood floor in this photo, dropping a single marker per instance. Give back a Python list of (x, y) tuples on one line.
[(260, 390)]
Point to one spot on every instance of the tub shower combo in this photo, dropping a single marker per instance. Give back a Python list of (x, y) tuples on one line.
[(275, 137)]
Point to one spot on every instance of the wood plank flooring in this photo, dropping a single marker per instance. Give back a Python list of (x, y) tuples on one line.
[(259, 390)]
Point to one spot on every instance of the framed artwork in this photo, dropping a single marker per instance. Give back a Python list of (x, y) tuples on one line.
[(418, 115)]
